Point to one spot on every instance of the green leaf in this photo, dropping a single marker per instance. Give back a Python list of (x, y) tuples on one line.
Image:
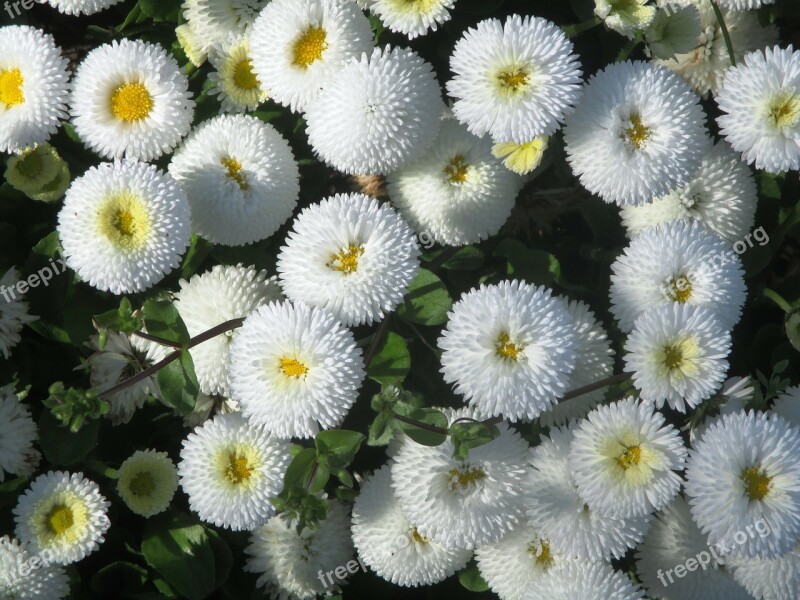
[(428, 416), (792, 322), (161, 10), (467, 258), (471, 579), (427, 301), (467, 435), (300, 468), (391, 362), (119, 319), (381, 431), (178, 384), (62, 447), (161, 319), (119, 580), (337, 447), (534, 266), (199, 249)]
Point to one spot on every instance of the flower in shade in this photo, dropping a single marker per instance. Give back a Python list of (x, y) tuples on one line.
[(34, 168), (45, 582), (412, 18), (214, 21), (147, 481), (13, 312), (17, 434), (235, 83), (772, 578), (787, 405), (625, 16), (80, 7), (597, 581)]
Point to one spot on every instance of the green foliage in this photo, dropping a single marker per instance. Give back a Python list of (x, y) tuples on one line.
[(73, 406)]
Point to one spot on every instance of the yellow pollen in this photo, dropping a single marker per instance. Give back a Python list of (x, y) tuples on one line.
[(243, 75), (680, 289), (630, 457), (543, 558), (60, 519), (346, 261), (291, 367), (637, 134), (124, 221), (419, 539), (756, 483), (142, 484), (506, 349), (456, 169), (238, 469), (673, 356), (234, 168), (784, 111), (513, 81), (309, 47), (11, 87), (131, 102), (463, 479)]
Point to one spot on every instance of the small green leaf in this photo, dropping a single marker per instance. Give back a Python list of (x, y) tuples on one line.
[(161, 10), (534, 266), (381, 431), (427, 301), (467, 258), (62, 447), (161, 319), (118, 579), (337, 447), (471, 579), (792, 323), (299, 469), (426, 416), (467, 435), (391, 362), (178, 384)]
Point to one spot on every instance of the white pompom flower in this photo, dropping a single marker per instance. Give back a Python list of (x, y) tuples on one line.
[(625, 459), (744, 4), (638, 133), (595, 581), (146, 481), (722, 196), (742, 474), (34, 87), (412, 18), (295, 369), (787, 405), (509, 348), (240, 178), (235, 83), (379, 113), (299, 46), (131, 99), (80, 7), (681, 263), (13, 312), (678, 353), (350, 255), (62, 514), (555, 507), (391, 546), (214, 21), (458, 192), (760, 100), (515, 80), (124, 226), (21, 581), (18, 432), (231, 469), (770, 578), (212, 298), (462, 503)]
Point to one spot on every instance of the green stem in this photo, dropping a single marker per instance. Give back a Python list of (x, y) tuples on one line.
[(777, 299), (629, 47), (597, 385), (377, 338), (725, 34), (572, 30)]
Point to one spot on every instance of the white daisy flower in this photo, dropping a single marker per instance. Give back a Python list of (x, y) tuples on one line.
[(588, 581), (675, 541), (680, 263), (761, 102), (555, 507), (294, 565), (230, 469), (787, 405), (121, 358), (147, 481), (192, 45), (219, 295), (638, 133), (517, 566), (34, 87), (744, 4), (240, 178), (13, 311), (27, 576), (238, 88), (458, 192), (462, 503), (509, 349), (80, 7), (624, 457), (62, 514), (299, 46), (678, 354), (594, 361), (722, 196), (350, 255), (514, 80), (770, 578), (391, 546), (626, 18), (130, 98), (742, 471), (33, 169), (214, 21), (412, 18), (704, 65), (124, 226), (17, 434), (379, 113), (295, 369)]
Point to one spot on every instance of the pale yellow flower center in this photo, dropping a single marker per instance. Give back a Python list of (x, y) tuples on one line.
[(460, 478), (541, 554), (630, 457), (784, 111), (60, 519), (637, 133), (239, 470), (142, 484), (243, 75), (456, 170), (123, 219), (680, 289), (234, 172), (506, 348), (514, 81), (346, 261), (756, 483)]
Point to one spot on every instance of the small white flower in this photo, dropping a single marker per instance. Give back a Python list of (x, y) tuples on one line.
[(17, 434), (412, 18), (595, 581), (22, 582), (192, 45), (214, 21), (147, 481), (770, 578), (80, 7), (787, 405), (13, 312), (627, 17), (238, 88)]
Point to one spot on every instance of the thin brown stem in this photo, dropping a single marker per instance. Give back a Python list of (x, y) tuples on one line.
[(421, 425), (597, 385), (156, 339), (377, 338)]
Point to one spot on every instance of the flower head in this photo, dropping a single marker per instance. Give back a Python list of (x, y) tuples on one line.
[(147, 481)]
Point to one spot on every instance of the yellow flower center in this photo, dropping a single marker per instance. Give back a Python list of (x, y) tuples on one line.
[(142, 484), (11, 82), (756, 483), (420, 7), (505, 348), (784, 111), (542, 554), (677, 356), (124, 221), (456, 169), (346, 261), (419, 539), (234, 172), (680, 289), (514, 81), (60, 519), (239, 469), (630, 457), (243, 75), (637, 133), (464, 478), (309, 47), (131, 102), (291, 367)]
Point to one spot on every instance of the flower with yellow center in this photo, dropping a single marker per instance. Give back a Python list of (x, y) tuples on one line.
[(130, 102), (636, 133), (124, 220), (514, 81), (457, 170), (756, 483), (34, 168), (236, 84), (147, 481), (11, 92), (412, 17), (291, 367), (191, 44), (346, 260), (63, 514), (625, 16), (464, 478), (309, 47)]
